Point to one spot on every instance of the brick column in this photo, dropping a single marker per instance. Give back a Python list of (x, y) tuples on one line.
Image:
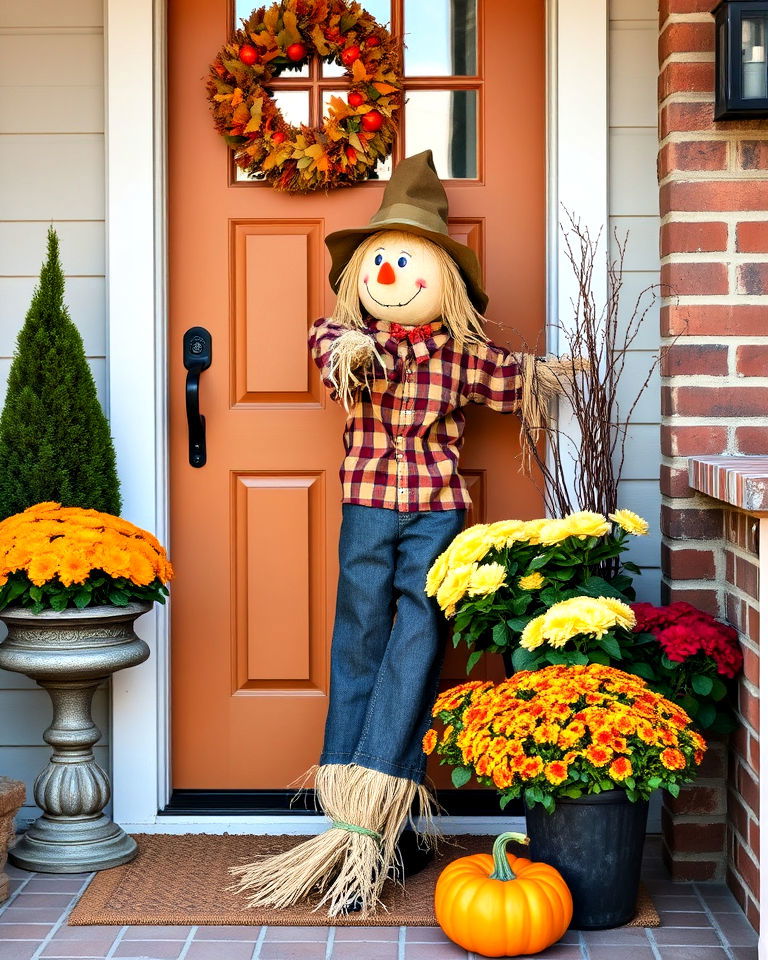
[(713, 196)]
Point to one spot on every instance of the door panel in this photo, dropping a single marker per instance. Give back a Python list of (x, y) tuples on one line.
[(254, 532)]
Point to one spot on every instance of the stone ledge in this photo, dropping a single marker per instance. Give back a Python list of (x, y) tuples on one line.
[(741, 482)]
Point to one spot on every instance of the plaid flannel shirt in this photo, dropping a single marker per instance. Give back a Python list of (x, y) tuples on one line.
[(403, 436)]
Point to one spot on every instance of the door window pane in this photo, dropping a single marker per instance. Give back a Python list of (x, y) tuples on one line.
[(294, 105), (445, 122), (440, 38)]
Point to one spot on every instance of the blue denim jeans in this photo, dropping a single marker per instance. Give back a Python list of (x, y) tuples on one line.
[(388, 638)]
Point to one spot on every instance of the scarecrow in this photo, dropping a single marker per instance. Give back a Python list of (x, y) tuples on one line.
[(404, 351)]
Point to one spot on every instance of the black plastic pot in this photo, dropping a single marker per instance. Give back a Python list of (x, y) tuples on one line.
[(596, 843)]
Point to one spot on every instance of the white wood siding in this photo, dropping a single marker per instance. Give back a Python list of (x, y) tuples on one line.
[(51, 172), (633, 203)]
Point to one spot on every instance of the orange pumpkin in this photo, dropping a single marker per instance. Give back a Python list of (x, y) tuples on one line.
[(499, 905)]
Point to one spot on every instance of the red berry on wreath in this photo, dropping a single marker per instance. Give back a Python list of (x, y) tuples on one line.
[(278, 137), (372, 121), (349, 55), (372, 42), (355, 99), (248, 54), (351, 154), (296, 52)]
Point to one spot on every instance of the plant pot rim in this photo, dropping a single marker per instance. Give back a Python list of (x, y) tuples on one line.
[(606, 796), (99, 611)]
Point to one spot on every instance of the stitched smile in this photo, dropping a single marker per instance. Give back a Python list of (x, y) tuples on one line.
[(418, 291)]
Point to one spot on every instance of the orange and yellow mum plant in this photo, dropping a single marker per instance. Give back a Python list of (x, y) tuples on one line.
[(54, 557), (565, 731)]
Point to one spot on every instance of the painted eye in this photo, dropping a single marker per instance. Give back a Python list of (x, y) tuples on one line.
[(377, 259), (402, 262)]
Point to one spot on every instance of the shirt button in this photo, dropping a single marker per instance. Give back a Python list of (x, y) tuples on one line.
[(398, 456)]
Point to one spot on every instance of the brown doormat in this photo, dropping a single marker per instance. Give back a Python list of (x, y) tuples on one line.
[(182, 880)]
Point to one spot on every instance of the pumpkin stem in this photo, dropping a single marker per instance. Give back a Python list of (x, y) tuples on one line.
[(501, 867)]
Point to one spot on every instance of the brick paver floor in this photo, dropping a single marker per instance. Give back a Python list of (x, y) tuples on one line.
[(700, 922)]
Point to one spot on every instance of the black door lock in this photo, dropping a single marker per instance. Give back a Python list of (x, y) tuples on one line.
[(197, 357)]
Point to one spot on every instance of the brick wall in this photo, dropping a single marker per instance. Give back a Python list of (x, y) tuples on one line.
[(713, 201)]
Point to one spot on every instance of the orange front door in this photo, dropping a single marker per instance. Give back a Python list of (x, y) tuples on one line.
[(254, 531)]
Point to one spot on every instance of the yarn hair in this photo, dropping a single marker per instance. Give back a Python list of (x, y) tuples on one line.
[(464, 323)]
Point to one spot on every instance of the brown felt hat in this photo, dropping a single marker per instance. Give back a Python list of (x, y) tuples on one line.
[(414, 201)]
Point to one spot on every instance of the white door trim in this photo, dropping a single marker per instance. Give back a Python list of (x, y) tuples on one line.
[(577, 176)]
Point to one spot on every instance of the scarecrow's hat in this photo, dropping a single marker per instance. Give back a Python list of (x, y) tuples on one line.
[(414, 201)]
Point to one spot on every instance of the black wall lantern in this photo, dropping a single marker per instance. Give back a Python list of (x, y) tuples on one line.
[(741, 70)]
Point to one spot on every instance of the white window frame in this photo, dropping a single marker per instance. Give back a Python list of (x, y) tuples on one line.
[(135, 34)]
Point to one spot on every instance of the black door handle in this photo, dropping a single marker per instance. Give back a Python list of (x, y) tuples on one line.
[(197, 357)]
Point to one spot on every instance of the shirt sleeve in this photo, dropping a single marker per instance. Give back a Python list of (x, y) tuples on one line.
[(494, 379), (322, 335)]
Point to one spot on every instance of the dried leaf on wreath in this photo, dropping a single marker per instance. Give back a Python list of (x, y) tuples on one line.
[(262, 39), (270, 18), (304, 162), (347, 21), (355, 142), (290, 24), (384, 87), (359, 74), (242, 114), (254, 123), (314, 151), (321, 44)]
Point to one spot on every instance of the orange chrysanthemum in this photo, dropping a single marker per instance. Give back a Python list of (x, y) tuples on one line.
[(620, 769), (672, 759), (429, 742), (556, 771), (48, 540)]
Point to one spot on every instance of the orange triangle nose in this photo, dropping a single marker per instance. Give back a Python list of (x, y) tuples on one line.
[(386, 273)]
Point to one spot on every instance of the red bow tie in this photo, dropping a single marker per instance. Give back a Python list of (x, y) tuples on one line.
[(414, 334)]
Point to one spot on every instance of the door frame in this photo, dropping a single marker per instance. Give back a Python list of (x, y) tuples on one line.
[(137, 315)]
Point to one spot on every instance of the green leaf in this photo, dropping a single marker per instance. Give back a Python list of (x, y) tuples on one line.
[(719, 689), (518, 624), (36, 593), (82, 598), (119, 598), (611, 646), (504, 799), (472, 660), (674, 789), (654, 783), (632, 567), (525, 659), (706, 715), (644, 670), (598, 587), (58, 602), (460, 776), (702, 684), (500, 634)]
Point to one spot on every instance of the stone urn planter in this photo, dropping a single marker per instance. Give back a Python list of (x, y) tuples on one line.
[(69, 653), (12, 795)]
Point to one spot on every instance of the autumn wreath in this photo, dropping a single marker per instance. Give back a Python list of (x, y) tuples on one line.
[(357, 132)]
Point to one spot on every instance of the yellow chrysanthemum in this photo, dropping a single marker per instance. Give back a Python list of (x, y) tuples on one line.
[(532, 529), (454, 587), (534, 581), (504, 533), (74, 568), (582, 524), (436, 574), (486, 579), (532, 635), (469, 546), (579, 616), (630, 522)]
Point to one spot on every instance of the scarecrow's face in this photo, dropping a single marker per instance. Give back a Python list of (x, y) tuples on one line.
[(401, 280)]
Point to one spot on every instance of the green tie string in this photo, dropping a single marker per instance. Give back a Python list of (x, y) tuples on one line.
[(353, 828)]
